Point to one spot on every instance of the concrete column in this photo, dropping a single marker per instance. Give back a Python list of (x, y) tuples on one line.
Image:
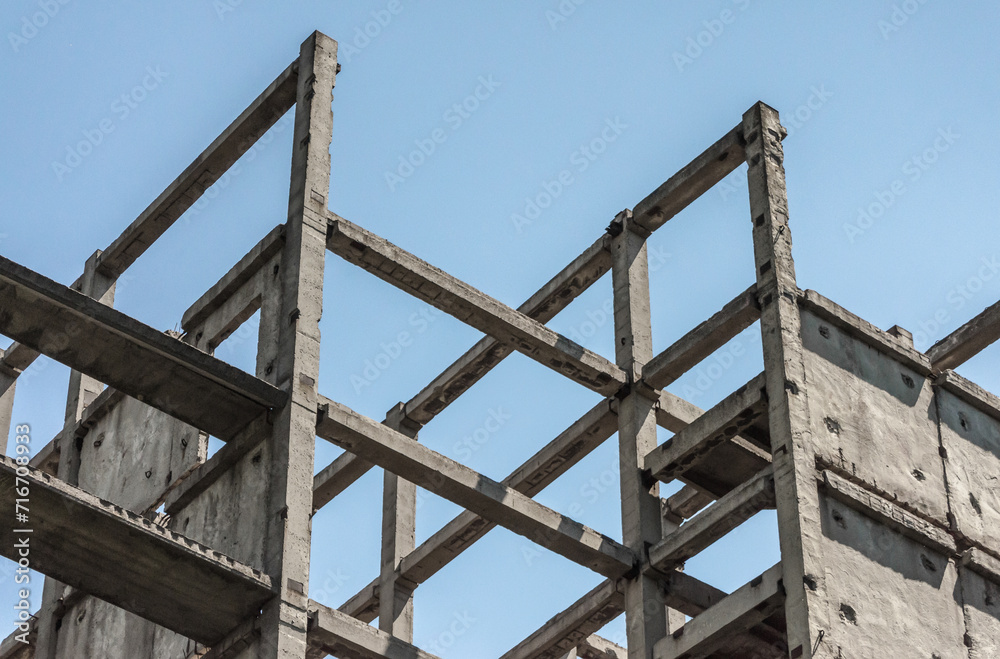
[(794, 463), (287, 546), (399, 517), (83, 389), (645, 615), (8, 382)]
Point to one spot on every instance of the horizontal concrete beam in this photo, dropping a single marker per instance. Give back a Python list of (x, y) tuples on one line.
[(543, 306), (887, 512), (569, 628), (209, 472), (126, 559), (536, 473), (494, 501), (713, 523), (967, 341), (692, 181), (441, 290), (113, 348), (335, 633), (982, 564), (576, 624), (18, 357), (984, 401), (597, 647), (708, 453), (336, 477), (710, 631), (206, 169), (459, 377), (864, 331), (240, 273), (739, 314)]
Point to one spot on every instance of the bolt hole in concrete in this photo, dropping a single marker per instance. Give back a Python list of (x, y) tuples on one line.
[(848, 613), (927, 563), (919, 475), (824, 331), (907, 380), (832, 425), (839, 519), (810, 582), (963, 420)]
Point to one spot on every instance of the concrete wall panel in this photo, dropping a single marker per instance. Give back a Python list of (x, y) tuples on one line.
[(972, 441), (982, 615), (886, 595), (873, 418), (132, 455)]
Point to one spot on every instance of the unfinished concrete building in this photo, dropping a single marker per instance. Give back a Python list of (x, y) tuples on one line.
[(881, 462)]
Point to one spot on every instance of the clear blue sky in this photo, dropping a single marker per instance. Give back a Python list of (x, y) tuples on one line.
[(865, 87)]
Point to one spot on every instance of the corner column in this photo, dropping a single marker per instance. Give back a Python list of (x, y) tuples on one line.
[(794, 479), (284, 619)]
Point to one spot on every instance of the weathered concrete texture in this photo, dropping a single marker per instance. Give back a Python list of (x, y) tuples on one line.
[(981, 597), (133, 455), (883, 590), (971, 440), (873, 417)]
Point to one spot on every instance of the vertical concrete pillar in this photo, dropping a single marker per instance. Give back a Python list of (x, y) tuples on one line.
[(645, 615), (795, 488), (287, 547), (399, 517), (83, 389), (8, 382)]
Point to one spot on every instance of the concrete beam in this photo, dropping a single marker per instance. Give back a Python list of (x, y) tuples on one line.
[(240, 273), (597, 647), (535, 474), (710, 631), (865, 331), (688, 351), (684, 504), (338, 634), (209, 472), (970, 392), (19, 357), (154, 573), (107, 345), (967, 341), (707, 453), (206, 169), (566, 630), (484, 496), (606, 602), (886, 512), (693, 180), (713, 523), (336, 477), (543, 306), (439, 289), (458, 378)]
